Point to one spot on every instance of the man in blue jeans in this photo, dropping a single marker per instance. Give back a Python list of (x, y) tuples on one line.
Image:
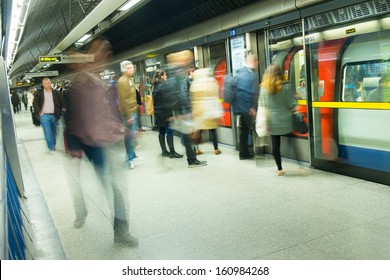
[(127, 99), (48, 104)]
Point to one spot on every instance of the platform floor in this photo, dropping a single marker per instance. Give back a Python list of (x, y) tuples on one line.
[(229, 209)]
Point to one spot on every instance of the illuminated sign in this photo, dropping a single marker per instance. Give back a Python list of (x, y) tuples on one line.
[(349, 31), (73, 58), (50, 59)]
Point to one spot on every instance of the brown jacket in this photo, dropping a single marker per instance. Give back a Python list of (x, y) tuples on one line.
[(127, 96)]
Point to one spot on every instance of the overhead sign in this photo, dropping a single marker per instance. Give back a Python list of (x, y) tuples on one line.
[(50, 59), (72, 58), (41, 74)]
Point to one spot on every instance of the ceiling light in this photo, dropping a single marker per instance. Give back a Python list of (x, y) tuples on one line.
[(129, 4), (84, 38)]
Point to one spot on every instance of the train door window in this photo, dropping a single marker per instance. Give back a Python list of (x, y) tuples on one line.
[(366, 81)]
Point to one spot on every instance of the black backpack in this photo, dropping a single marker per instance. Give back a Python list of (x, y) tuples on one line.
[(229, 88)]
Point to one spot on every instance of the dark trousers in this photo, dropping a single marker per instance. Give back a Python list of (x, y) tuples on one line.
[(276, 150), (246, 123)]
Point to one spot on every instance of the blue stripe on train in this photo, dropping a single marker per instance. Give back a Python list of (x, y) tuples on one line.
[(363, 157)]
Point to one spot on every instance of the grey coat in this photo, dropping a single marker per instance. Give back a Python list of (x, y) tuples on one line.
[(279, 105)]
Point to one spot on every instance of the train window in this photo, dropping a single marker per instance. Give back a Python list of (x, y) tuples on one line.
[(366, 82)]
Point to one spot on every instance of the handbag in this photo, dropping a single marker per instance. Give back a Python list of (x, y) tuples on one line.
[(183, 124), (261, 119), (299, 124), (149, 104)]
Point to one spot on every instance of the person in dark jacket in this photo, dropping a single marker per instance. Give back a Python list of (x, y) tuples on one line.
[(163, 114), (245, 102), (48, 105), (15, 100)]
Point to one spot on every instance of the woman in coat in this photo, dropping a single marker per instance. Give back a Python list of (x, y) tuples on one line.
[(280, 102), (206, 108)]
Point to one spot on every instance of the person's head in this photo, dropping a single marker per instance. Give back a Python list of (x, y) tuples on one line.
[(251, 61), (46, 83), (191, 72), (159, 75), (127, 68), (273, 79)]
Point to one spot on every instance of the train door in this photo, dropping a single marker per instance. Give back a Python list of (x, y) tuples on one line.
[(286, 49), (349, 68)]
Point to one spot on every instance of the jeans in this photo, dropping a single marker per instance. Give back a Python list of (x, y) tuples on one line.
[(131, 130), (49, 125)]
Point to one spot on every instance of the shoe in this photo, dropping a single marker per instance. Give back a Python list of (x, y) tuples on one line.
[(217, 151), (247, 157), (131, 164), (198, 152), (197, 163), (80, 221), (165, 154), (175, 155), (52, 152), (141, 130), (281, 172), (125, 239)]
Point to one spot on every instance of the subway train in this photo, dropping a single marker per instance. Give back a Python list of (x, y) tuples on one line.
[(336, 54)]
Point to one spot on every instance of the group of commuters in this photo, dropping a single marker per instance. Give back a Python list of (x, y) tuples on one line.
[(180, 92), (279, 100), (18, 98)]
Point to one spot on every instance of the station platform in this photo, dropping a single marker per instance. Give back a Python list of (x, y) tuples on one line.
[(229, 209)]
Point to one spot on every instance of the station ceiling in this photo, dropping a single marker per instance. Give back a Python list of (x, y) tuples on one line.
[(50, 21)]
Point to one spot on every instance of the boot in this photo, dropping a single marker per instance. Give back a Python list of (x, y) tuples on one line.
[(172, 152), (122, 234), (161, 139)]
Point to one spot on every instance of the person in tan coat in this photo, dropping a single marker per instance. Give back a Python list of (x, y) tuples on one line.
[(127, 99), (206, 108)]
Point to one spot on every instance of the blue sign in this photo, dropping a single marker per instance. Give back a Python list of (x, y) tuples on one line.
[(233, 32)]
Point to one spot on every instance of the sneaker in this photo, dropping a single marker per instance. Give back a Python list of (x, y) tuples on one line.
[(131, 164), (198, 152), (217, 151), (125, 239), (52, 152), (141, 130), (197, 163)]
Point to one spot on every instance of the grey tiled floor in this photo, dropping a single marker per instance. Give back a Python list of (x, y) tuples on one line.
[(229, 209)]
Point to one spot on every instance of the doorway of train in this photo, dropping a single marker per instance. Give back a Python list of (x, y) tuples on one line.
[(348, 54), (283, 47), (224, 58)]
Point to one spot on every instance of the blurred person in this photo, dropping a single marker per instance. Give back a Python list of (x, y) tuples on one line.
[(280, 102), (93, 131), (377, 94), (48, 105), (127, 98), (179, 63), (15, 101), (139, 102), (30, 99), (163, 114), (245, 102), (185, 100), (24, 99), (206, 108), (301, 90)]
